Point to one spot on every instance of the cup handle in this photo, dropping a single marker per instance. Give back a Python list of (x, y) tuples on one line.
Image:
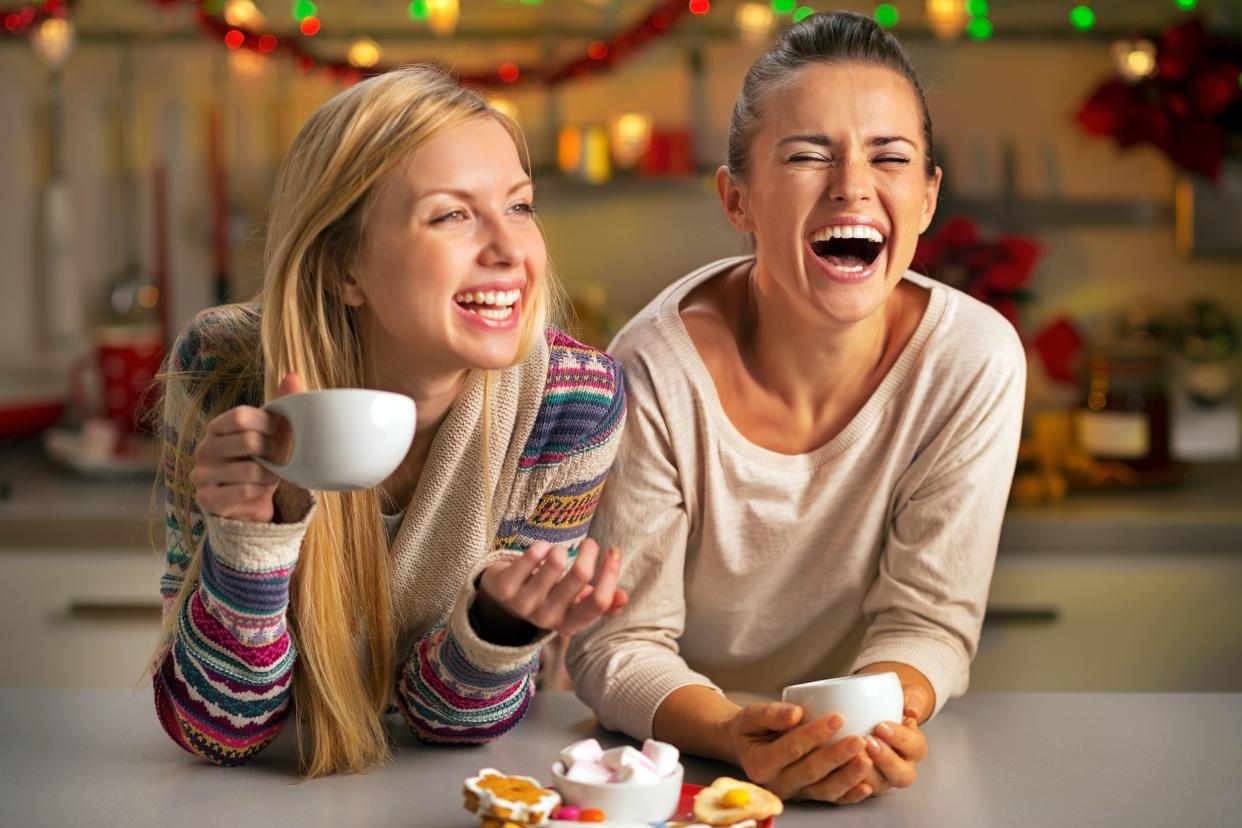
[(279, 407)]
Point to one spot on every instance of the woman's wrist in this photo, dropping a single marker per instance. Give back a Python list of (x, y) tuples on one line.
[(492, 623), (698, 720)]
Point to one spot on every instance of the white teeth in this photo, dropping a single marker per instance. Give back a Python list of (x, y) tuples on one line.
[(846, 269), (496, 298), (501, 313), (849, 231)]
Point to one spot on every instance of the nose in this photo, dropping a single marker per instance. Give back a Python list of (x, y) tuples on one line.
[(851, 182), (502, 247)]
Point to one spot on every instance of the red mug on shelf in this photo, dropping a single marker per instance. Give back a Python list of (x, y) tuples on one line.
[(125, 364)]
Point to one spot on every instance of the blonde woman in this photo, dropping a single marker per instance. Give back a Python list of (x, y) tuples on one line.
[(402, 254)]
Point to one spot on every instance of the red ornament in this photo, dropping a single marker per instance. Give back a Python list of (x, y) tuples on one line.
[(310, 26), (508, 72), (598, 50), (267, 43), (700, 6)]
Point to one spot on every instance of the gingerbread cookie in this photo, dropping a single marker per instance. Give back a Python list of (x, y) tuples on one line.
[(494, 796), (728, 801)]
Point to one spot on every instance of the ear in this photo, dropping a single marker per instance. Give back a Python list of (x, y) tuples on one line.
[(734, 199), (930, 201), (351, 292)]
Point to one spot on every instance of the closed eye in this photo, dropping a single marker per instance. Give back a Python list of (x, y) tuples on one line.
[(454, 215), (805, 158), (892, 159)]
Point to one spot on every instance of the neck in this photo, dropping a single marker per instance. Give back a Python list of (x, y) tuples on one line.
[(808, 362), (434, 391)]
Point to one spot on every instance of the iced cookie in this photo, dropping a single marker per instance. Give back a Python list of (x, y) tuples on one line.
[(493, 796), (727, 801)]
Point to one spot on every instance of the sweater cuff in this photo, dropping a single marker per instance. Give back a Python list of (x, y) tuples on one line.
[(257, 547), (486, 656), (940, 662), (634, 695)]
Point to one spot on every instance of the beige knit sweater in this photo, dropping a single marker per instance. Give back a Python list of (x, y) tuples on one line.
[(751, 570)]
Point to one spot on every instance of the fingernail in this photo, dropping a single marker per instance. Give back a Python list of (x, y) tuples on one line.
[(835, 722), (873, 746), (884, 730), (856, 744)]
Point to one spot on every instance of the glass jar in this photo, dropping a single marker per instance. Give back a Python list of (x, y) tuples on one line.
[(1125, 416)]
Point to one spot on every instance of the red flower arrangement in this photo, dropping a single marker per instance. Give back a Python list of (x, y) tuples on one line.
[(1190, 107), (995, 272)]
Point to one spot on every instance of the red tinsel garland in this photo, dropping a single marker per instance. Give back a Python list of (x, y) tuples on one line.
[(600, 56), (1191, 108)]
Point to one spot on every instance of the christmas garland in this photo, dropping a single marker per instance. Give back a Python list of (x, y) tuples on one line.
[(600, 56), (16, 22)]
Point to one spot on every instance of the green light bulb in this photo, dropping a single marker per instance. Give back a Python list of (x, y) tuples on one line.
[(803, 13), (1187, 5), (784, 6), (977, 8), (886, 15), (979, 28), (418, 10), (304, 8), (1082, 18)]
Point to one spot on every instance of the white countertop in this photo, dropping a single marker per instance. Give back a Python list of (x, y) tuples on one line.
[(98, 757)]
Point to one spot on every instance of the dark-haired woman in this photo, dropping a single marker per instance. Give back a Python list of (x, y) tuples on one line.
[(820, 442)]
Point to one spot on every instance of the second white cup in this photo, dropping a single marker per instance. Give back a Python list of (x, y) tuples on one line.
[(863, 701), (344, 439)]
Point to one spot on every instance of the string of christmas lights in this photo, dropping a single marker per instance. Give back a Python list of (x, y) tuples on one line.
[(17, 22), (598, 57)]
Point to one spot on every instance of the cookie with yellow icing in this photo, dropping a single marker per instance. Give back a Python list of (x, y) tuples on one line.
[(728, 801), (495, 796)]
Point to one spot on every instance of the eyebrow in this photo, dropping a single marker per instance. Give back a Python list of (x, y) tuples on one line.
[(825, 141), (465, 195)]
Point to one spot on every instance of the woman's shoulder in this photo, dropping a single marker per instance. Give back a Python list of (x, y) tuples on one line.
[(583, 401), (969, 335)]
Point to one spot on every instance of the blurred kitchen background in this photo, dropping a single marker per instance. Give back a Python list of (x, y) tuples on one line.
[(1093, 194)]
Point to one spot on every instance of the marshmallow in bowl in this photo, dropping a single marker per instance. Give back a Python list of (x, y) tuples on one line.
[(588, 771), (586, 761), (663, 755), (588, 750)]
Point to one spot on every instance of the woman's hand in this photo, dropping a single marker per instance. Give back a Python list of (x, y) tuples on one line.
[(794, 760), (228, 482), (894, 749), (537, 591)]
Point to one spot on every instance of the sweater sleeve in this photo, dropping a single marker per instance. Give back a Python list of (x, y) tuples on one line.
[(624, 667), (926, 606), (222, 685), (457, 687)]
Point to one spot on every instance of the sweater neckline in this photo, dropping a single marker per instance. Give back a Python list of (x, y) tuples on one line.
[(669, 320)]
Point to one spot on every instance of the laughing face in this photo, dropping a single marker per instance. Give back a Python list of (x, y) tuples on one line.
[(452, 251), (837, 191)]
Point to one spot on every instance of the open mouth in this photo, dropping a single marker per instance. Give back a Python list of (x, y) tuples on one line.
[(496, 305), (848, 248)]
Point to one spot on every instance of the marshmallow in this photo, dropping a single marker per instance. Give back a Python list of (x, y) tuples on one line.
[(590, 772), (638, 774), (588, 750), (663, 755), (622, 757)]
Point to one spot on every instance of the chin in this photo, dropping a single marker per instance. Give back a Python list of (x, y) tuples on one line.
[(492, 356)]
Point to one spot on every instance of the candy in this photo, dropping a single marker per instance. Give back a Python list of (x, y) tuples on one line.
[(568, 813), (664, 756), (591, 815), (735, 798), (589, 772), (618, 758), (588, 750)]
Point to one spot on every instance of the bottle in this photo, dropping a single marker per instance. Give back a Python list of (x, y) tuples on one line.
[(1125, 416)]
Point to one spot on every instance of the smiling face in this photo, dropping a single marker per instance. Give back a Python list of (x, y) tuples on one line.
[(451, 253), (836, 194)]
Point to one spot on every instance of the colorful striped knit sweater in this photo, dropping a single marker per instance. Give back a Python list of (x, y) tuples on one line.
[(223, 688)]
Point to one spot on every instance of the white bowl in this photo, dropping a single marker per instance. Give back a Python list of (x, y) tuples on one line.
[(637, 802)]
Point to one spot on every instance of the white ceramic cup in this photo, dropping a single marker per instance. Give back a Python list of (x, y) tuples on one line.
[(344, 439), (863, 701), (623, 801)]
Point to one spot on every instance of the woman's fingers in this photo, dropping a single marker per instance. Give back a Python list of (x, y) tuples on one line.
[(837, 784), (769, 759), (907, 740), (822, 760), (898, 771), (601, 598), (243, 418), (241, 445), (241, 471), (505, 581), (575, 580)]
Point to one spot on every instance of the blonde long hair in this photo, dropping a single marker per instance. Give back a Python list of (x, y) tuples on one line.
[(316, 230)]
